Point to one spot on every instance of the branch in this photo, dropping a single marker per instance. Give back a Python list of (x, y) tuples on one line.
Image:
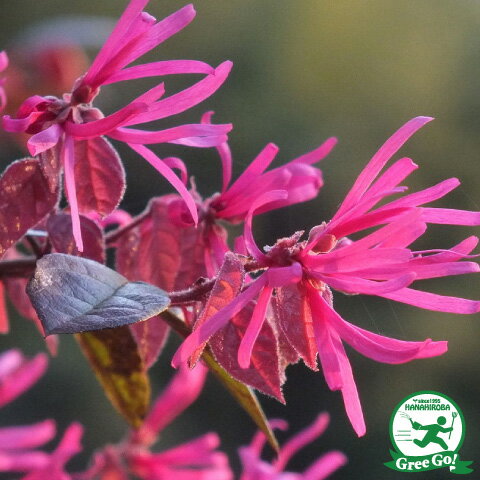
[(114, 235), (22, 267)]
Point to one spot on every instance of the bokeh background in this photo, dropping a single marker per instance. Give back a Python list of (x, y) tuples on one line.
[(303, 70)]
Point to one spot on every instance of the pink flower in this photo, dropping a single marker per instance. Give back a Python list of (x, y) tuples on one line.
[(299, 275), (72, 119), (254, 468), (3, 66), (191, 460), (298, 177), (18, 444)]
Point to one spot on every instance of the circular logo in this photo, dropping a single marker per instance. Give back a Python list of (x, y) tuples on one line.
[(427, 423)]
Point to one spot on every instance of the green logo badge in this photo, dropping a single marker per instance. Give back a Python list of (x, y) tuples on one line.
[(427, 430)]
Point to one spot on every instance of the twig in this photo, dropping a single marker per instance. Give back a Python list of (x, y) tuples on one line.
[(113, 236)]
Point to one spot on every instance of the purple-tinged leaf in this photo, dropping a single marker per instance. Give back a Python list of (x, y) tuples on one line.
[(161, 252), (114, 357), (264, 372), (25, 199), (294, 318), (150, 336), (99, 176), (73, 294), (59, 227)]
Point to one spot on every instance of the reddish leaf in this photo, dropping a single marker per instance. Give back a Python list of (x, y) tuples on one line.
[(161, 252), (51, 167), (294, 318), (264, 372), (59, 227), (25, 199), (227, 286), (151, 336), (99, 176)]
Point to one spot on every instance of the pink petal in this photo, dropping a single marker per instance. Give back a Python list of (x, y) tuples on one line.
[(157, 34), (16, 380), (3, 60), (432, 301), (17, 125), (164, 170), (28, 436), (378, 161), (68, 156), (329, 263), (380, 348), (180, 393), (318, 154), (23, 462), (300, 440), (201, 142), (424, 196), (449, 216), (356, 285), (176, 163), (187, 98), (217, 321), (325, 466), (256, 168), (144, 137), (105, 125), (266, 198), (455, 253), (335, 364), (165, 67), (113, 42), (254, 327), (45, 139), (225, 154)]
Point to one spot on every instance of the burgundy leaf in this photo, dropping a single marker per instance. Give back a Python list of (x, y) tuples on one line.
[(161, 252), (59, 227), (227, 286), (294, 319), (150, 336), (264, 372), (99, 176), (25, 199)]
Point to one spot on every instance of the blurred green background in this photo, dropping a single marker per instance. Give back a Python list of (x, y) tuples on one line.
[(303, 71)]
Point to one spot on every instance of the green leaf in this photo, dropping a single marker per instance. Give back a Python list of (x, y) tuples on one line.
[(114, 357)]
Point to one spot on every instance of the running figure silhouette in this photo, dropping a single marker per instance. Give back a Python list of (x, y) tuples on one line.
[(432, 432)]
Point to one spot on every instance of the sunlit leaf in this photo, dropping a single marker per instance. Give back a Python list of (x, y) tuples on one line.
[(73, 294), (115, 359), (25, 199), (294, 318), (179, 249)]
